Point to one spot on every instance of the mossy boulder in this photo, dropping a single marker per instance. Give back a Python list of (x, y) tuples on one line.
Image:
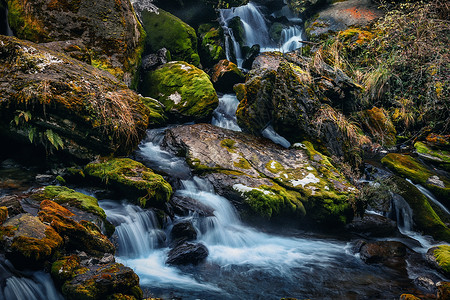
[(380, 126), (63, 195), (225, 75), (212, 48), (412, 168), (297, 98), (81, 235), (62, 104), (106, 33), (266, 180), (27, 241), (433, 154), (306, 7), (167, 31), (102, 281), (439, 257), (132, 178), (424, 217), (157, 114), (185, 91)]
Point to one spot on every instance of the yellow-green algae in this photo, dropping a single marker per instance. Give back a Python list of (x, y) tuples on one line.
[(130, 175)]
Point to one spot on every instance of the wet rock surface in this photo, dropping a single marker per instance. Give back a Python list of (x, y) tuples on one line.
[(262, 176), (187, 253)]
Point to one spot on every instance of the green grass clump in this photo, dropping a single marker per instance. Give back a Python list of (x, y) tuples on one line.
[(442, 255)]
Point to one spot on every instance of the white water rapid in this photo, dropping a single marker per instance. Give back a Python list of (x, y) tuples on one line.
[(243, 262)]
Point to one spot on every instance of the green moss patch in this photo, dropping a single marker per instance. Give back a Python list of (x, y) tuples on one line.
[(131, 176), (440, 156), (185, 90), (167, 31), (425, 218), (413, 169), (64, 195)]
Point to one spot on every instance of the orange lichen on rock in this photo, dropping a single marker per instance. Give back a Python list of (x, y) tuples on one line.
[(361, 13)]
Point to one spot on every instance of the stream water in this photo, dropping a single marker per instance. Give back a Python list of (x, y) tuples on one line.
[(243, 262), (257, 30)]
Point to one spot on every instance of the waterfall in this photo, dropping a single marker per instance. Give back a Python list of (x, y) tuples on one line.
[(256, 31), (430, 196), (15, 285), (225, 114)]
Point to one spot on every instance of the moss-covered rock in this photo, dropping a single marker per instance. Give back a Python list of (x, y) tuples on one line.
[(98, 281), (269, 181), (436, 155), (443, 290), (439, 257), (212, 48), (3, 214), (65, 268), (225, 75), (82, 235), (27, 241), (64, 195), (133, 178), (157, 115), (106, 33), (186, 91), (294, 96), (378, 123), (51, 100), (425, 218), (410, 167), (167, 31)]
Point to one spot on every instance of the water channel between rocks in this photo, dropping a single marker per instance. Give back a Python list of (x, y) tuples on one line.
[(243, 262)]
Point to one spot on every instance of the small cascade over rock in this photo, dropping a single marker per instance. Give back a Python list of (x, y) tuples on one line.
[(249, 25), (225, 114), (16, 285)]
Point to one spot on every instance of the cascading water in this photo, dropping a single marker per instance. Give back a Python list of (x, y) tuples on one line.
[(15, 285), (225, 114), (431, 197), (257, 32), (242, 260)]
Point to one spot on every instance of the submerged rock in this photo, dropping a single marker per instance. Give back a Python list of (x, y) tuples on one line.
[(186, 91), (187, 253), (183, 230), (373, 226), (103, 33), (262, 178), (390, 253), (132, 178), (27, 241), (63, 104)]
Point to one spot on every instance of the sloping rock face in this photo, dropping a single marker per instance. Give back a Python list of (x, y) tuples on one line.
[(50, 99), (298, 98), (103, 33), (263, 179)]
